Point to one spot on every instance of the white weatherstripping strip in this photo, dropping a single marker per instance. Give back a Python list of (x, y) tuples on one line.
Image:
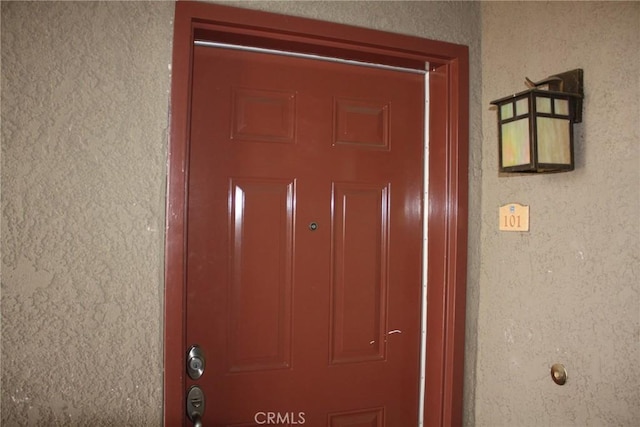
[(307, 56), (425, 263)]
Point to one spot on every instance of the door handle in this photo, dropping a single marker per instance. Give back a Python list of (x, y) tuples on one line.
[(197, 420), (195, 405)]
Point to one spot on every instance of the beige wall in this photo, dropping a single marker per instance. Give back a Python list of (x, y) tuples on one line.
[(84, 118), (84, 123), (567, 291)]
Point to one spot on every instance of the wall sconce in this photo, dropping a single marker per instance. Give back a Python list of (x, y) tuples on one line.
[(535, 126)]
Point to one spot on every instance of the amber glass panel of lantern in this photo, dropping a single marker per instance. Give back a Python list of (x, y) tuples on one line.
[(515, 143), (561, 107), (543, 105), (506, 111), (522, 106), (554, 144)]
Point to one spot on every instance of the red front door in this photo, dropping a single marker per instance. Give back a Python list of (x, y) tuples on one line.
[(304, 242)]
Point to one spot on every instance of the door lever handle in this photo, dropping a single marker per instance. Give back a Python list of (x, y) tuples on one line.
[(195, 405), (197, 419)]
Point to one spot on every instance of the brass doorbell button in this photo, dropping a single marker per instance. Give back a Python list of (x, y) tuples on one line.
[(558, 374)]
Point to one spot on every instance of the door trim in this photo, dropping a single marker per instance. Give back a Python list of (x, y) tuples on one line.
[(447, 168)]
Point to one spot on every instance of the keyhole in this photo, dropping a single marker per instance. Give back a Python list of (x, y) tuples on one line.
[(313, 226), (196, 364)]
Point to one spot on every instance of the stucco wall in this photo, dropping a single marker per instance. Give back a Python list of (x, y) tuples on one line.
[(569, 290), (84, 117)]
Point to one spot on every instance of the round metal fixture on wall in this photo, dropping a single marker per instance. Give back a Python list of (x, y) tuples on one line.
[(559, 374)]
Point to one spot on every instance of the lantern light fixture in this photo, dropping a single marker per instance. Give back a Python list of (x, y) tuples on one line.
[(535, 127)]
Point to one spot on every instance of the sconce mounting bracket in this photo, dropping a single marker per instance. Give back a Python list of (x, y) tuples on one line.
[(568, 82)]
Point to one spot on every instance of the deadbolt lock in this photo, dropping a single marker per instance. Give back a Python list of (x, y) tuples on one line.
[(195, 362)]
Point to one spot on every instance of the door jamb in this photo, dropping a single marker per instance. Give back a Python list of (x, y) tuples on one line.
[(448, 184)]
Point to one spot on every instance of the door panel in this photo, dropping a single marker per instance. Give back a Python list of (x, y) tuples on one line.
[(259, 290), (323, 321), (359, 281)]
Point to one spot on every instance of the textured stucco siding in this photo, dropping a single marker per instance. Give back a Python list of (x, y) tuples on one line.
[(568, 291), (84, 134)]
